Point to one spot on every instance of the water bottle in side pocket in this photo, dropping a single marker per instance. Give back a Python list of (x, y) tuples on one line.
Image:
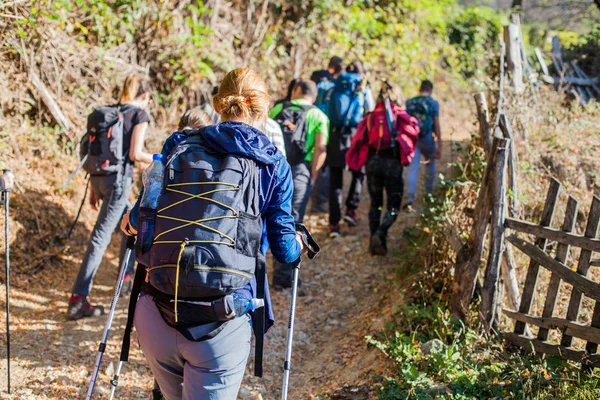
[(152, 178)]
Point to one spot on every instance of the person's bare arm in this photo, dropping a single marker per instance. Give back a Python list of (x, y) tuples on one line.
[(319, 155), (136, 150), (438, 136)]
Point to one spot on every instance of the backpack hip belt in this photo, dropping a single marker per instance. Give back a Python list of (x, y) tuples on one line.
[(193, 311)]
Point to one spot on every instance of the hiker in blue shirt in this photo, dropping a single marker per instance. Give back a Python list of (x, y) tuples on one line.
[(427, 111)]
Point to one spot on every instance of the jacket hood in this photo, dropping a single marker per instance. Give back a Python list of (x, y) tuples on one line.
[(241, 139)]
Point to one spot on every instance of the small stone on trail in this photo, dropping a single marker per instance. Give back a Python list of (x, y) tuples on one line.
[(110, 370), (351, 393), (84, 373), (432, 347)]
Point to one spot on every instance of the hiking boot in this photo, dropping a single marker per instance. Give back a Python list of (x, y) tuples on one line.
[(157, 394), (377, 246), (80, 308), (127, 286), (351, 218), (334, 231)]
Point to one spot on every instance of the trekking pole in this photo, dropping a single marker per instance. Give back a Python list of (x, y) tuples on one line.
[(87, 185), (290, 337), (111, 314), (7, 259), (313, 250), (70, 178), (133, 298)]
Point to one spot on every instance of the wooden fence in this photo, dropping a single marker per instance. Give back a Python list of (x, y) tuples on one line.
[(496, 212), (561, 274)]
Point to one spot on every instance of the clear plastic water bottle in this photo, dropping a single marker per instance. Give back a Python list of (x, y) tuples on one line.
[(243, 306), (153, 181)]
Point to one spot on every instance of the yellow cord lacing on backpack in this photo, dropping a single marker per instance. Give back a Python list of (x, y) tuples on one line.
[(199, 222), (181, 249)]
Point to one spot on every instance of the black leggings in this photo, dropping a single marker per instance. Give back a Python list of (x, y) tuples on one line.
[(384, 173)]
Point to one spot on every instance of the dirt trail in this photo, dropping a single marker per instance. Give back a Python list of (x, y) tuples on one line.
[(349, 294)]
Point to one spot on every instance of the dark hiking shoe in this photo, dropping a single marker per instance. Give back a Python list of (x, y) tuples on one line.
[(377, 246), (351, 218), (157, 394), (127, 285), (80, 308), (334, 231)]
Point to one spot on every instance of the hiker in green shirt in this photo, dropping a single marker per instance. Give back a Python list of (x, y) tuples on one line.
[(305, 133)]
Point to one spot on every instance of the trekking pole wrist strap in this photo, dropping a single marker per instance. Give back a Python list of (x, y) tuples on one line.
[(308, 241)]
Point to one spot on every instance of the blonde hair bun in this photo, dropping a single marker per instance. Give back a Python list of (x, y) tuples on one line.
[(235, 106), (243, 97)]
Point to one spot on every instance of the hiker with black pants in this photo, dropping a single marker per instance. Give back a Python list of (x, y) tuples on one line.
[(385, 141), (112, 190), (324, 79), (195, 347), (347, 104), (306, 131)]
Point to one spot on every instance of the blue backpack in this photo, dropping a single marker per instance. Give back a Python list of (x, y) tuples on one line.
[(324, 86), (419, 108), (346, 103)]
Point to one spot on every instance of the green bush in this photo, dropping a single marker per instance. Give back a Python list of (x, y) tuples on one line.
[(474, 33)]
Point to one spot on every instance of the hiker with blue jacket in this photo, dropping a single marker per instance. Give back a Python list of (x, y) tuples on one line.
[(230, 187), (427, 111), (347, 103)]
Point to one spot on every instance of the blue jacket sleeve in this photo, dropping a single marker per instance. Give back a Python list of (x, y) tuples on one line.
[(281, 229)]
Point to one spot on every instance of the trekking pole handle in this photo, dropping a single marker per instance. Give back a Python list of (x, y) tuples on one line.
[(6, 171), (130, 242), (310, 243)]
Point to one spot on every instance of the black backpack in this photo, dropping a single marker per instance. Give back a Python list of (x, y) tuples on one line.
[(292, 120), (102, 147), (208, 226)]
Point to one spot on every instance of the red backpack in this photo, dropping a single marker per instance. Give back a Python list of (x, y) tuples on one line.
[(373, 132), (378, 130)]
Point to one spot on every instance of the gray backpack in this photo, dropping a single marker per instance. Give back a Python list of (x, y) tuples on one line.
[(101, 148), (208, 226)]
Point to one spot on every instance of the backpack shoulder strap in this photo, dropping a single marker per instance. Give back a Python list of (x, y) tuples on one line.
[(259, 316), (136, 289)]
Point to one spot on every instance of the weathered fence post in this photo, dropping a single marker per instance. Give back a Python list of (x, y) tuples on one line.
[(512, 37), (583, 266), (513, 204), (468, 259), (534, 267), (562, 252), (489, 294), (483, 115), (508, 258)]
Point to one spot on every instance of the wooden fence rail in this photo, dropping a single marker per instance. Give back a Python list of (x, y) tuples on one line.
[(569, 327)]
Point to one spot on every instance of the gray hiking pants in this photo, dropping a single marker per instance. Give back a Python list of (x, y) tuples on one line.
[(208, 370), (113, 191)]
